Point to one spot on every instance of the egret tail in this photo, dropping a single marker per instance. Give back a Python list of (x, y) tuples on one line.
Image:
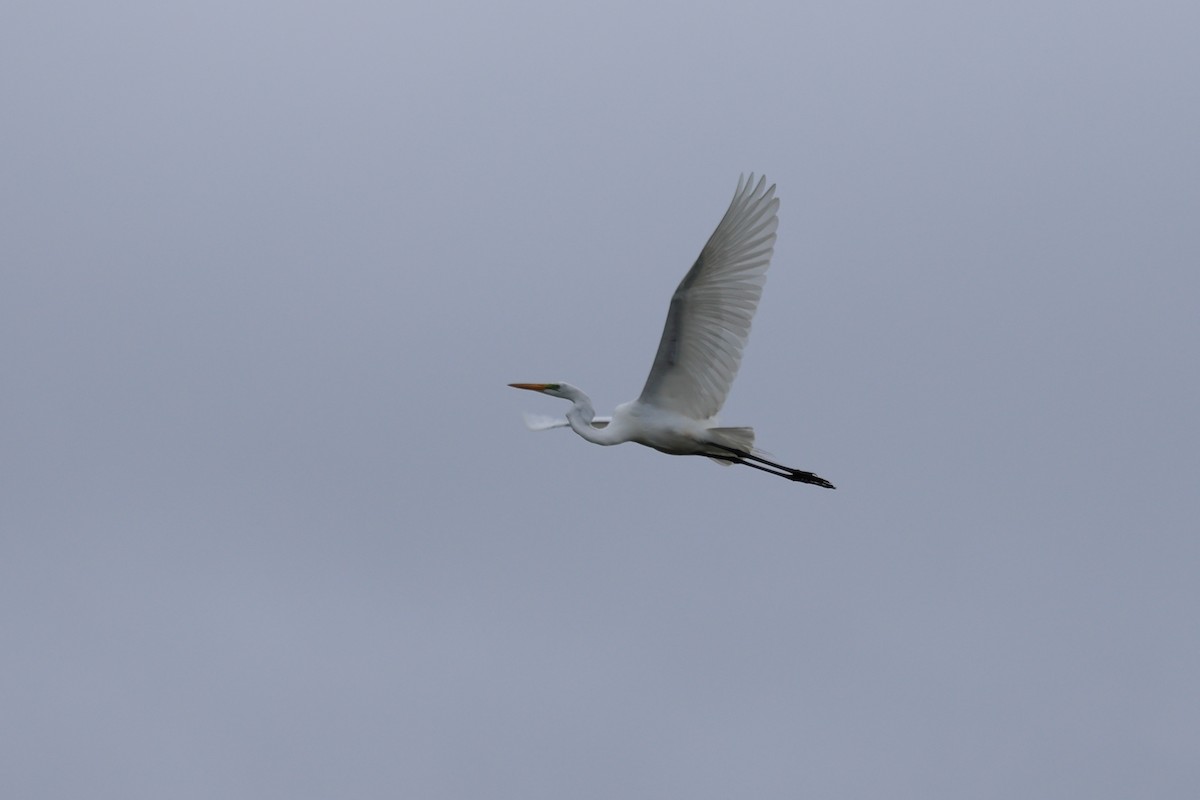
[(730, 439)]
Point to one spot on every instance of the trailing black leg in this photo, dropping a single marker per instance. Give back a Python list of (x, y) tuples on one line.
[(749, 459), (760, 467)]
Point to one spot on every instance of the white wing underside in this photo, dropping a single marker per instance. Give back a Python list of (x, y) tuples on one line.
[(542, 422), (710, 314)]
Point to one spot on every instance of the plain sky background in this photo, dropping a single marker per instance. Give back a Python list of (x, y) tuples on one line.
[(271, 524)]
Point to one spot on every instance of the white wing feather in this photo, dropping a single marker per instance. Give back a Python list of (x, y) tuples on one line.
[(543, 422), (710, 314)]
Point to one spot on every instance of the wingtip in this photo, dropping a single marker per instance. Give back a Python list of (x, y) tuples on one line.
[(749, 187)]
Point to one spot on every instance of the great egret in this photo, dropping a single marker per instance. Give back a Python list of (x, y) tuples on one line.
[(701, 348)]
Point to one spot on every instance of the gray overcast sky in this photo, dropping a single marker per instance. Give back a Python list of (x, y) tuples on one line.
[(271, 524)]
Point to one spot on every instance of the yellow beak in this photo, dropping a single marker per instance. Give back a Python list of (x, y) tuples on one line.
[(533, 387)]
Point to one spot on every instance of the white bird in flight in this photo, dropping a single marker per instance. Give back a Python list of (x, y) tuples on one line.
[(701, 348)]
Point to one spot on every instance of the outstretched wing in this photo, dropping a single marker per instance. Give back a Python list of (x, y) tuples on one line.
[(709, 319)]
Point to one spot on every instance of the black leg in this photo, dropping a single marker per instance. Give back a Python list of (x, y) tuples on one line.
[(748, 459), (760, 467)]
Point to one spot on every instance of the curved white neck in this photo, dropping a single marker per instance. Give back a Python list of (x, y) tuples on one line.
[(580, 417)]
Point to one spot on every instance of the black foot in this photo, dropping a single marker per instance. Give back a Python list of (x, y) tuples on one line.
[(808, 477)]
